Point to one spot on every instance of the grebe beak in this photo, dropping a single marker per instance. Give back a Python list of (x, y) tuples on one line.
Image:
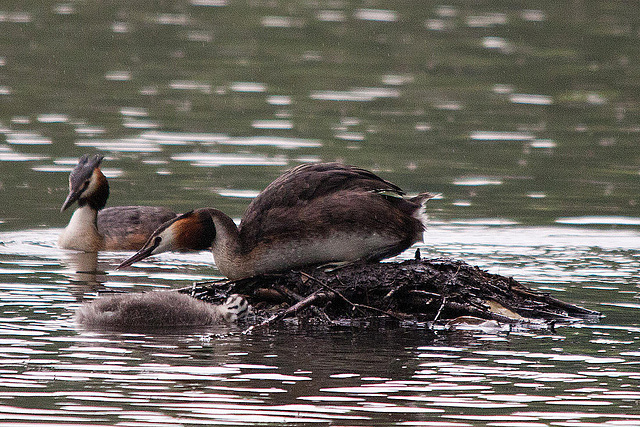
[(71, 199), (143, 253)]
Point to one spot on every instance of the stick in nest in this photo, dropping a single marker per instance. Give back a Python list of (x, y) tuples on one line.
[(310, 300), (353, 304)]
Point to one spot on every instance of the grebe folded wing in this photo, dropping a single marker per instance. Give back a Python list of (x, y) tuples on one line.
[(314, 180), (343, 226), (308, 188)]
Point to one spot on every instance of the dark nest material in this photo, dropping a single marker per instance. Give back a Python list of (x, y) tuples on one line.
[(419, 290)]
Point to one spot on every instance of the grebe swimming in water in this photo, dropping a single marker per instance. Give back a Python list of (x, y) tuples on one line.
[(156, 310), (313, 214), (92, 228)]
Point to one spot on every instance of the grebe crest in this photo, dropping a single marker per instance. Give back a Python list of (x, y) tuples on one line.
[(87, 184)]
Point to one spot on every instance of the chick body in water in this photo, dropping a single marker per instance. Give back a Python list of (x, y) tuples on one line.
[(159, 309)]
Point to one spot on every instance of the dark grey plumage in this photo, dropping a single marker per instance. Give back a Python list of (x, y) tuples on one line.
[(311, 199)]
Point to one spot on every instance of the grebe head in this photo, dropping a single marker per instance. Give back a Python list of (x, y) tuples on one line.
[(87, 184), (193, 230)]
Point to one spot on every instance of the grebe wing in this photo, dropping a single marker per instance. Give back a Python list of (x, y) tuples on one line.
[(308, 182), (313, 200), (129, 227), (341, 218)]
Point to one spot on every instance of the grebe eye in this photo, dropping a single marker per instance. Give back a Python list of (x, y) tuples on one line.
[(156, 241)]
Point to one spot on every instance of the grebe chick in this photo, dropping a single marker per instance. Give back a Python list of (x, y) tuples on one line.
[(156, 310), (92, 228), (313, 214)]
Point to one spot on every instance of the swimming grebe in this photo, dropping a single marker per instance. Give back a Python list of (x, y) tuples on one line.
[(312, 214), (158, 309), (93, 228)]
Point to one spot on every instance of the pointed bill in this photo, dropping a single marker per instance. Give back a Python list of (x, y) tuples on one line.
[(143, 253)]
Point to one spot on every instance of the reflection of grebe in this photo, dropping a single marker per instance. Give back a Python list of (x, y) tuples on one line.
[(158, 309), (83, 271), (312, 214), (93, 228)]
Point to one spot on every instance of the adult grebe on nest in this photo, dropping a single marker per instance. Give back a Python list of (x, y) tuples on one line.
[(92, 228), (313, 214)]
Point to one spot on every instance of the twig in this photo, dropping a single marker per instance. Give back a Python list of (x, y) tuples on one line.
[(294, 308), (421, 292), (211, 282), (444, 301), (289, 293), (452, 277), (393, 291), (353, 304)]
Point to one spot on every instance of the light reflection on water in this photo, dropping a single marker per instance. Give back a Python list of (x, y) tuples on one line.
[(519, 116), (54, 373), (413, 89)]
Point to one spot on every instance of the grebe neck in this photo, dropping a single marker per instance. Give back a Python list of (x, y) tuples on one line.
[(82, 231), (227, 247)]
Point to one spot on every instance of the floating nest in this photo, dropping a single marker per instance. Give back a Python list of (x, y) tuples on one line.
[(435, 291)]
